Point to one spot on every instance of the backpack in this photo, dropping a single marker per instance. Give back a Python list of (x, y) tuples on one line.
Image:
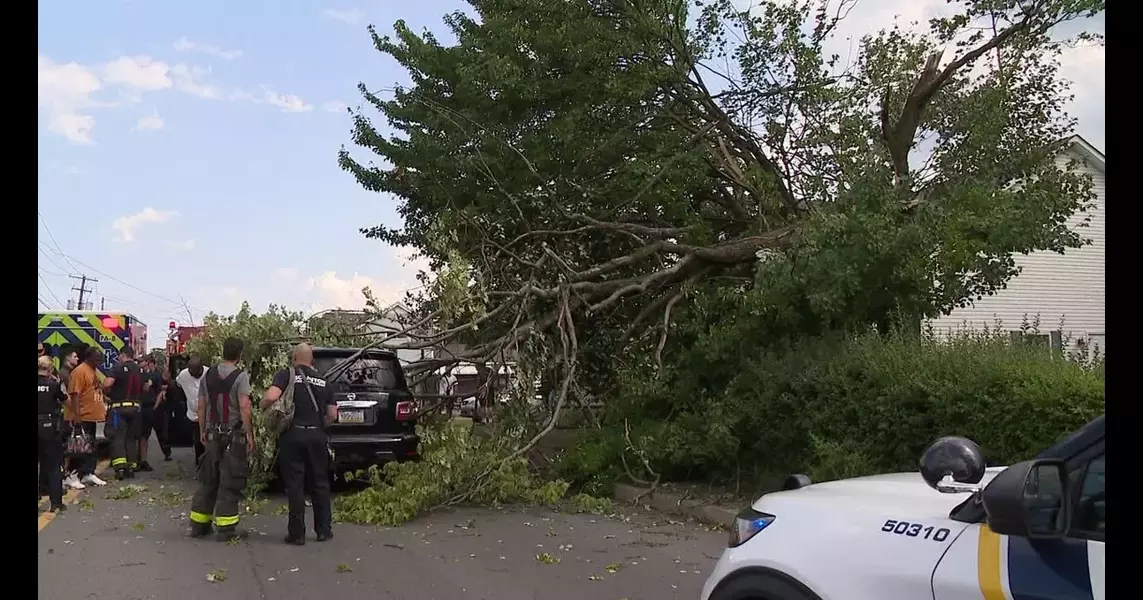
[(280, 415)]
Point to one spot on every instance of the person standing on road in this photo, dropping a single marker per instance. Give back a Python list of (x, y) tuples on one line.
[(67, 364), (190, 380), (125, 390), (51, 399), (84, 410), (303, 450), (148, 401), (226, 420)]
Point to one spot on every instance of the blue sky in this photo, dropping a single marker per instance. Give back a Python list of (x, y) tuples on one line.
[(187, 151)]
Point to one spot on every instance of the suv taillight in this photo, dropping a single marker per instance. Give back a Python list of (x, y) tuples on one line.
[(406, 410)]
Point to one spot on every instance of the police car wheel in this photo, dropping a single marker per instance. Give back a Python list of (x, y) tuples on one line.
[(761, 586)]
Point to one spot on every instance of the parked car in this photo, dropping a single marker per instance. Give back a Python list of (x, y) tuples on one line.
[(377, 414), (1031, 530)]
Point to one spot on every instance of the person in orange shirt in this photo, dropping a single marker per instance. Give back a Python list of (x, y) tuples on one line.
[(85, 408)]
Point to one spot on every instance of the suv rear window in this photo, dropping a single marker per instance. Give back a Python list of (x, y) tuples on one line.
[(368, 371)]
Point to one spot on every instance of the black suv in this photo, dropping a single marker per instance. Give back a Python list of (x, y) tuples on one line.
[(376, 412)]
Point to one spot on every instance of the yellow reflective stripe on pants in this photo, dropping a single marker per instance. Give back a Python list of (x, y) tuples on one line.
[(115, 462), (200, 518), (225, 521)]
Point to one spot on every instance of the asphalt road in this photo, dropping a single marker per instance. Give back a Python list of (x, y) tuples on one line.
[(112, 544)]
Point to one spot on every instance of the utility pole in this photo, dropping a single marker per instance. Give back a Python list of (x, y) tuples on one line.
[(83, 289)]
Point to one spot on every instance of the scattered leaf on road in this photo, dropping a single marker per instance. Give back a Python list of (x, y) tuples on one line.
[(138, 526), (344, 568), (547, 559), (127, 492), (216, 576), (613, 567)]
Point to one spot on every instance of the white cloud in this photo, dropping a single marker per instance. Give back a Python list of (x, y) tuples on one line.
[(150, 123), (189, 80), (334, 106), (127, 224), (331, 289), (139, 73), (68, 91), (352, 16), (185, 45), (287, 102), (65, 92), (185, 246)]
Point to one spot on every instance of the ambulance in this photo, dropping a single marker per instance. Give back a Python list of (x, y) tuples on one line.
[(62, 332)]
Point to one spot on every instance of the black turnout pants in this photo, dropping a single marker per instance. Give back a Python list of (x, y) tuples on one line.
[(152, 419), (122, 431), (221, 481), (303, 456), (51, 455)]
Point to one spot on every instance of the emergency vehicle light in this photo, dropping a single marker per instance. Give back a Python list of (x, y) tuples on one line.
[(747, 523), (110, 322)]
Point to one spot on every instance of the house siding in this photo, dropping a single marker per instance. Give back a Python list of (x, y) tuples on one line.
[(1054, 287)]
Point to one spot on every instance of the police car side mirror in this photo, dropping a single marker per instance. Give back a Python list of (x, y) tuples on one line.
[(1029, 499)]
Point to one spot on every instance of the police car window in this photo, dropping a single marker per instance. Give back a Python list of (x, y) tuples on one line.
[(363, 372), (1090, 507)]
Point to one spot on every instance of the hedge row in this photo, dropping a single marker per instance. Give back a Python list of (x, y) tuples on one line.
[(844, 407)]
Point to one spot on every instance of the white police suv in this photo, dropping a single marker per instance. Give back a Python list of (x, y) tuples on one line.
[(1031, 531)]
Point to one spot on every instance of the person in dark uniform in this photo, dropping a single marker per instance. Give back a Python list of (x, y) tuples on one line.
[(303, 450), (124, 387), (153, 390), (225, 418), (51, 400)]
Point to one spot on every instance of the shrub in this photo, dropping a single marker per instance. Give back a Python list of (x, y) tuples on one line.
[(843, 406), (455, 467)]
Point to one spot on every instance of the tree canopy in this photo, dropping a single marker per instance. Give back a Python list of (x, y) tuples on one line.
[(587, 173)]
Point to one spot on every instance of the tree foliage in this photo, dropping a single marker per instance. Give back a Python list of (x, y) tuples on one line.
[(267, 339), (586, 166)]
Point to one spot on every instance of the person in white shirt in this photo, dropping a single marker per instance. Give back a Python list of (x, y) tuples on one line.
[(189, 380)]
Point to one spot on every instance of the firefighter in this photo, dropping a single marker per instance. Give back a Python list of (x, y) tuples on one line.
[(124, 387), (226, 421), (51, 399), (303, 449)]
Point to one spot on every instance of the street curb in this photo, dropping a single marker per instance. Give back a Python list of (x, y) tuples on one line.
[(675, 504)]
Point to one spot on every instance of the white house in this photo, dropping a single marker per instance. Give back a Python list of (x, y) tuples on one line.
[(1067, 288)]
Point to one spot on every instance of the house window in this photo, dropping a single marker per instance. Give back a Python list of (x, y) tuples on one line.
[(1053, 339)]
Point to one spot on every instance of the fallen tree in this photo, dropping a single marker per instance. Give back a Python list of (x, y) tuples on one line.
[(575, 172)]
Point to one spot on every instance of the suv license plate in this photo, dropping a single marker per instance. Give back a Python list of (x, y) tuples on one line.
[(351, 416)]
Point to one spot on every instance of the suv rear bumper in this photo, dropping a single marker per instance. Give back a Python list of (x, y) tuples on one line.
[(357, 451)]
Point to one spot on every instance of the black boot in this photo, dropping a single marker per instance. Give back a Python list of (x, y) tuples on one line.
[(124, 473), (325, 537), (228, 533), (198, 530), (296, 541), (145, 467), (58, 508)]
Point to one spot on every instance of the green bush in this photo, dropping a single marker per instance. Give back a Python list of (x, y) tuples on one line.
[(845, 406), (455, 467)]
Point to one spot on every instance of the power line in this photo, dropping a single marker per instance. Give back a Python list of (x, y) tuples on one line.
[(120, 281), (53, 238), (49, 257), (48, 289)]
